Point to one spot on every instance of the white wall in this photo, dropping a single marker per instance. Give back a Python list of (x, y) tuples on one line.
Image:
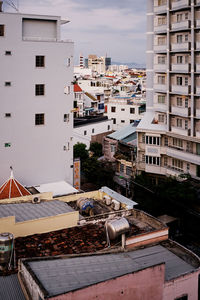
[(36, 152)]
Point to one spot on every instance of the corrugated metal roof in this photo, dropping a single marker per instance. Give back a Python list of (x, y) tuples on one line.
[(130, 203), (10, 288), (123, 133), (60, 276), (30, 211)]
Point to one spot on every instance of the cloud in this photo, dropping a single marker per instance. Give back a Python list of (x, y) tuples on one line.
[(99, 26)]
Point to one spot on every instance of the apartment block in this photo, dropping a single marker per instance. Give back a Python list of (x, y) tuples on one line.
[(36, 99), (169, 133)]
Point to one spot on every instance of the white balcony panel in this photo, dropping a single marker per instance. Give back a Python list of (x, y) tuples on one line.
[(198, 134), (197, 1), (160, 107), (160, 67), (180, 89), (155, 169), (180, 131), (180, 25), (160, 8), (160, 28), (181, 111), (197, 90), (182, 155), (179, 4), (180, 46), (197, 67), (160, 87), (198, 22), (172, 172), (198, 112), (160, 48), (197, 45), (180, 67)]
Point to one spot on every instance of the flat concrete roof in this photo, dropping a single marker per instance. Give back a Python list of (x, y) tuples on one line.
[(58, 276), (29, 211)]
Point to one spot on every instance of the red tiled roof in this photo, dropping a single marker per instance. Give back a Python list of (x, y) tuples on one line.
[(12, 189), (77, 88)]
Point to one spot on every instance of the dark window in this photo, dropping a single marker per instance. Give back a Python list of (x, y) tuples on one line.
[(39, 119), (7, 115), (7, 83), (39, 89), (131, 121), (8, 53), (122, 121), (114, 120), (132, 110), (85, 132), (6, 145), (1, 30), (108, 127), (66, 118), (92, 130), (185, 297), (122, 109), (39, 61), (113, 109)]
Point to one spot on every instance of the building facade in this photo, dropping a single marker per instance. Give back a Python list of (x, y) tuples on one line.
[(36, 99), (169, 134)]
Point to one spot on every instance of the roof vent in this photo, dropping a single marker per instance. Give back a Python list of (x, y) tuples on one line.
[(36, 200), (1, 6)]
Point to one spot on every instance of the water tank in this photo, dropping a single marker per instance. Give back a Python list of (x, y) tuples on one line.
[(85, 205), (116, 227), (6, 248)]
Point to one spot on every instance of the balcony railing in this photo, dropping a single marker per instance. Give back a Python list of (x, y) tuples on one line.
[(197, 67), (197, 134), (160, 87), (160, 48), (198, 90), (180, 4), (179, 130), (160, 28), (180, 68), (182, 154), (197, 2), (180, 111), (160, 67), (180, 46), (198, 112), (197, 22), (181, 25), (197, 45), (180, 89), (43, 39), (160, 8)]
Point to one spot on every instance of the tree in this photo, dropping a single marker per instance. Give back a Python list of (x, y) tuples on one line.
[(81, 152), (96, 148)]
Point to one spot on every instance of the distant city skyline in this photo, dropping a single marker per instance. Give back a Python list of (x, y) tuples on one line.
[(108, 27)]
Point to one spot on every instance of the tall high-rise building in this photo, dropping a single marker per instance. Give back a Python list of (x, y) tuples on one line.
[(98, 64), (36, 99), (169, 133)]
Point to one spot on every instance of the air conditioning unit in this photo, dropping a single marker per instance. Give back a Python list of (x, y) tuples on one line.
[(36, 200)]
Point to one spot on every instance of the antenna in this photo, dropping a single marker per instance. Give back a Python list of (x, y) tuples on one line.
[(12, 4)]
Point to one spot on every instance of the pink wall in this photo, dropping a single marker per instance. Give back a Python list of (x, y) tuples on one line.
[(187, 284), (146, 284)]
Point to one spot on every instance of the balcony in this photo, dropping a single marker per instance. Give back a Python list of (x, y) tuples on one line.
[(197, 45), (160, 28), (180, 111), (198, 90), (160, 87), (180, 46), (173, 171), (160, 67), (197, 22), (160, 107), (182, 68), (160, 48), (160, 8), (198, 112), (198, 68), (155, 169), (180, 4), (198, 134), (179, 130), (180, 89), (197, 2), (182, 155), (181, 25)]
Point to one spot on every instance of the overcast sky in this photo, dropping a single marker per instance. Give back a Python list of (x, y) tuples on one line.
[(113, 27)]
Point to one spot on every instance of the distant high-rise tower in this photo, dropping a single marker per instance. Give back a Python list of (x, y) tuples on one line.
[(81, 63), (169, 133)]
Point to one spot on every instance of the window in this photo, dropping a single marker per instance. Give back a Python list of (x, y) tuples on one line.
[(68, 62), (112, 148), (92, 130), (108, 127), (161, 99), (143, 138), (85, 132), (113, 109), (131, 121), (179, 80), (161, 60), (132, 110), (179, 59), (128, 171), (143, 158), (7, 145), (152, 140), (121, 168), (165, 161), (7, 115), (67, 90), (39, 119), (8, 53), (39, 90), (186, 81), (122, 121), (188, 167), (2, 27), (122, 109), (66, 118), (161, 41), (161, 118), (177, 143), (179, 38), (185, 297), (179, 123), (114, 120), (152, 160), (162, 21), (186, 38), (186, 16), (177, 164), (179, 101), (7, 83), (179, 17), (39, 61), (161, 79), (166, 141), (186, 124), (186, 102)]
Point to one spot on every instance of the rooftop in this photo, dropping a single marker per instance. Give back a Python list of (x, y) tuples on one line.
[(58, 276), (123, 132), (10, 288)]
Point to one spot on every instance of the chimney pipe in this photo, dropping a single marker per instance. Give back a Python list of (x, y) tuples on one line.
[(1, 6)]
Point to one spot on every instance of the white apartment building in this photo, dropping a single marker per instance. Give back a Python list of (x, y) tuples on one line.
[(36, 99), (169, 134), (124, 110)]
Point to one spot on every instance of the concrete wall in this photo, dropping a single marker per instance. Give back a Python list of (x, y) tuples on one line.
[(143, 285), (36, 152)]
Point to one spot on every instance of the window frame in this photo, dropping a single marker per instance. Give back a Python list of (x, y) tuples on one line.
[(39, 89), (38, 62), (39, 119)]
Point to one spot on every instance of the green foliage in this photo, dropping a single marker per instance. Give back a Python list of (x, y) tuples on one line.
[(81, 152), (96, 148)]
